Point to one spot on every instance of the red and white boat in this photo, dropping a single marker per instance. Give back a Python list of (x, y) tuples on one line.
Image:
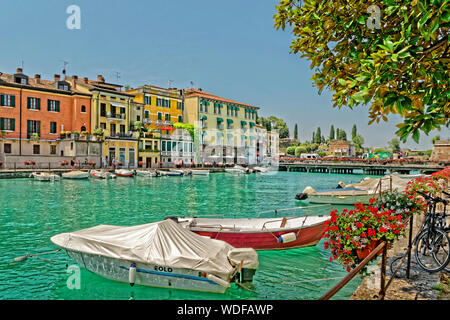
[(124, 173), (276, 233)]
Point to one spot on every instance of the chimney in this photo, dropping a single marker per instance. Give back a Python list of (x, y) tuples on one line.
[(100, 78), (38, 78), (57, 77), (19, 70), (75, 79), (86, 80)]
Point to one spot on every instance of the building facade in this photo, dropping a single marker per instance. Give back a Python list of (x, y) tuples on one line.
[(225, 128), (37, 114)]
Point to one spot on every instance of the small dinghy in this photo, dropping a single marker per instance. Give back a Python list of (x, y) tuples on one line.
[(275, 233), (147, 174), (44, 176), (99, 174), (75, 175), (200, 172), (236, 170), (124, 173), (160, 254)]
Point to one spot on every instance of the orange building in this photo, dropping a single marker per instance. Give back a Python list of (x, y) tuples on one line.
[(34, 112)]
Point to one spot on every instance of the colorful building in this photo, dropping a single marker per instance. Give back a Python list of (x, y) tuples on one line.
[(226, 128), (162, 108), (35, 115), (111, 110)]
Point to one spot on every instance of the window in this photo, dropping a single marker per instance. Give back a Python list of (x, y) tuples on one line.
[(33, 127), (122, 129), (21, 79), (36, 149), (159, 116), (180, 118), (169, 146), (53, 127), (163, 146), (167, 116), (7, 124), (7, 148), (146, 114), (112, 129), (83, 108), (83, 128), (148, 100), (102, 125), (7, 100), (53, 105), (62, 85), (52, 149), (34, 103), (138, 118), (103, 109), (180, 105)]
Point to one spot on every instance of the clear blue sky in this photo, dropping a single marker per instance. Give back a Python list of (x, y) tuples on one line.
[(229, 48)]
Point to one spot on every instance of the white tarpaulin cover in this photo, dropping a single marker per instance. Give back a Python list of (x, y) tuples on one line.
[(162, 243)]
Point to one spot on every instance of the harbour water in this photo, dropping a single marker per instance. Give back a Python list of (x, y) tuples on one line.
[(32, 211)]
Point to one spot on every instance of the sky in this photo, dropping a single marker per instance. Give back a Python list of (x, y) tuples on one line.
[(228, 48)]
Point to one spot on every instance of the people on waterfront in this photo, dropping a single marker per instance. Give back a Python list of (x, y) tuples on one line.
[(72, 162)]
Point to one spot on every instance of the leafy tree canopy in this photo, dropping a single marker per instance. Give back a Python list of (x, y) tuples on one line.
[(392, 55)]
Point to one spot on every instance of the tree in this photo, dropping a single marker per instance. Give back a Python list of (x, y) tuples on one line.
[(392, 56), (434, 139), (299, 150), (296, 132), (394, 144), (354, 133), (342, 135), (332, 132), (290, 150), (318, 137), (358, 140)]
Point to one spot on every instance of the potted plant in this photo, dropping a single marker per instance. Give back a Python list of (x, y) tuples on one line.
[(352, 234), (402, 203)]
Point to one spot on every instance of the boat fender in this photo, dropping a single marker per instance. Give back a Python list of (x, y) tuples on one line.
[(132, 274), (217, 280), (287, 237)]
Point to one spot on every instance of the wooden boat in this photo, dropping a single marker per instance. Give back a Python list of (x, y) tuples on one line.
[(145, 173), (200, 172), (44, 176), (75, 175), (100, 174), (275, 233), (160, 254), (236, 170), (124, 173)]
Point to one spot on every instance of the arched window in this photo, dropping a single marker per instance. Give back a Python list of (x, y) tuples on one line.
[(83, 108), (83, 128)]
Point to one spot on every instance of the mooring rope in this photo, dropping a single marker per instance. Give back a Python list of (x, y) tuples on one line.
[(35, 255)]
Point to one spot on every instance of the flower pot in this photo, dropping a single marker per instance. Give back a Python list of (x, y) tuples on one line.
[(362, 254)]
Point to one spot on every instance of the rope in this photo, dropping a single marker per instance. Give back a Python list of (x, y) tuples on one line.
[(25, 257), (311, 280)]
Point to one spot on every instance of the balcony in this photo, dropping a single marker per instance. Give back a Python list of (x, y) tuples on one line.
[(163, 123), (122, 135), (147, 121), (115, 116)]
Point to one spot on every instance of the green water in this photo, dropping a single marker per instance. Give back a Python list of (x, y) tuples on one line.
[(32, 211)]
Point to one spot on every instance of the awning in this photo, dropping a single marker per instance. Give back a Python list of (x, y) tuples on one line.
[(203, 117), (167, 128), (116, 104), (219, 119), (245, 137), (229, 120), (243, 123), (220, 134), (252, 124)]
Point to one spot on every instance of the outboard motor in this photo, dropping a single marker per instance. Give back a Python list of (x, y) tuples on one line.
[(301, 196), (173, 218)]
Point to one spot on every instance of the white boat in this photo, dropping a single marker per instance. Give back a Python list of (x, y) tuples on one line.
[(44, 176), (124, 173), (101, 174), (360, 192), (145, 173), (160, 254), (261, 169), (237, 170), (75, 175), (200, 172)]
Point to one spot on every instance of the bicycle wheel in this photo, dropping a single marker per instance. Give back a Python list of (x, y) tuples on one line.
[(447, 268), (432, 250)]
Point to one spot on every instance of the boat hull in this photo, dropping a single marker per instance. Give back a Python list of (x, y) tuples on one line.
[(306, 237), (340, 199), (80, 176), (146, 274)]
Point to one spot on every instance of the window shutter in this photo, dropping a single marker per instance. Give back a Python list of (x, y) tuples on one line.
[(57, 106), (13, 101), (38, 128), (38, 103), (28, 102), (2, 100), (2, 124), (49, 103), (28, 128), (13, 124)]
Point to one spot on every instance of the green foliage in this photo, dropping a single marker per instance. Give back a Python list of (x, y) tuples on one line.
[(332, 136), (299, 150), (186, 126), (358, 141), (401, 68), (290, 150), (296, 132), (394, 144), (435, 138)]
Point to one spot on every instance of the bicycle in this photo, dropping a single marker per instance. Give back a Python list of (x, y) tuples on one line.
[(432, 244)]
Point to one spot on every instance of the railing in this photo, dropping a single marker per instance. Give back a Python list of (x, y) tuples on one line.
[(295, 211)]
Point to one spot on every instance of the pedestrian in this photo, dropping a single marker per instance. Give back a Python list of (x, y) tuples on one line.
[(72, 162)]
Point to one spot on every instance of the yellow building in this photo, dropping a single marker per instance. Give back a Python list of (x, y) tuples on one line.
[(226, 127), (111, 110), (162, 108)]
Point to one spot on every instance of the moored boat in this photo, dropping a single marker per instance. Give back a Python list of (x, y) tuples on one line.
[(124, 173), (44, 176), (75, 175), (146, 173), (160, 254), (236, 170), (200, 172), (275, 233), (101, 174)]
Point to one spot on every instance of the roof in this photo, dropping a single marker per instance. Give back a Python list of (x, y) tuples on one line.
[(203, 94), (37, 84)]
